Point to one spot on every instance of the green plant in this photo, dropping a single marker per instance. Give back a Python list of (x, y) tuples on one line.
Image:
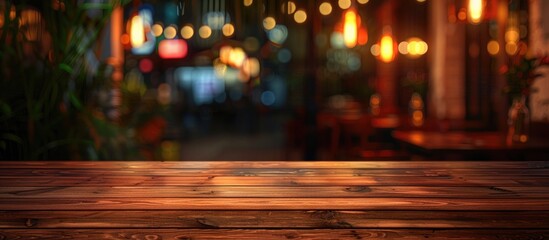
[(521, 73), (47, 81)]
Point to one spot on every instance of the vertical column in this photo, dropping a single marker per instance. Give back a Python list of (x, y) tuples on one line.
[(446, 93), (116, 59), (386, 79), (539, 45)]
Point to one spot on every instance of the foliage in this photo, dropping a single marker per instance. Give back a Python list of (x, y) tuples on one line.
[(521, 74), (47, 79)]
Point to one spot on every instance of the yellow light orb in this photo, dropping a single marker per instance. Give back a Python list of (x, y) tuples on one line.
[(137, 32), (403, 48), (225, 54), (362, 1), (475, 11), (512, 34), (248, 3), (170, 32), (420, 1), (350, 29), (289, 7), (237, 57), (344, 4), (228, 30), (157, 30), (187, 31), (269, 23), (300, 16), (511, 48), (493, 47), (325, 8), (387, 52), (251, 67), (205, 31)]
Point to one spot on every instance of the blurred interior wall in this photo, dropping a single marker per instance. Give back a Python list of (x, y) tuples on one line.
[(539, 45), (447, 70)]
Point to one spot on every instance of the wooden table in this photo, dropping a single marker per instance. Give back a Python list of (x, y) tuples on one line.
[(470, 145), (274, 200)]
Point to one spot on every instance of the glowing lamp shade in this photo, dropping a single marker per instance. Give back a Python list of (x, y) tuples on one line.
[(387, 48), (475, 11), (137, 31), (172, 49), (350, 29)]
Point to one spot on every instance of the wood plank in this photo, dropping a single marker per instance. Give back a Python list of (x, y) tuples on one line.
[(500, 180), (424, 204), (275, 191), (269, 172), (274, 219), (275, 164), (285, 234)]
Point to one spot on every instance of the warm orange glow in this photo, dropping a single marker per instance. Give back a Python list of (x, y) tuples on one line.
[(289, 8), (300, 16), (237, 57), (157, 30), (170, 32), (228, 30), (416, 47), (325, 8), (205, 31), (475, 11), (362, 36), (187, 32), (493, 47), (125, 39), (350, 29), (344, 4), (251, 67), (137, 31), (269, 23), (387, 50)]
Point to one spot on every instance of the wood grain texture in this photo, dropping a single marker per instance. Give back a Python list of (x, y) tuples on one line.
[(284, 234), (274, 200), (258, 219)]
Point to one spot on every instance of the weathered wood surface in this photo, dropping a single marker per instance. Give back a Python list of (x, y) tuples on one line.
[(274, 200)]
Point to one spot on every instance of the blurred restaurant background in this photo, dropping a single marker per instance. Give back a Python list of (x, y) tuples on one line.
[(274, 79)]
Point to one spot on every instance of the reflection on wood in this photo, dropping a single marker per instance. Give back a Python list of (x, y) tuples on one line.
[(274, 200)]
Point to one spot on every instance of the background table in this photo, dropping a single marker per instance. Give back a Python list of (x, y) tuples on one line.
[(274, 200), (471, 145)]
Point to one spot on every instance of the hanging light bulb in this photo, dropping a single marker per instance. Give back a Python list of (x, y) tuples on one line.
[(137, 31), (350, 28), (475, 11), (387, 46)]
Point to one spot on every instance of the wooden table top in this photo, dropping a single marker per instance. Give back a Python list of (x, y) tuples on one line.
[(274, 200)]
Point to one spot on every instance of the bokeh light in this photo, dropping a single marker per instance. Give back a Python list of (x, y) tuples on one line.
[(289, 7), (493, 47), (344, 4), (387, 51), (187, 31), (300, 16), (170, 32), (228, 30), (248, 3), (157, 29), (269, 23), (325, 8), (205, 31)]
